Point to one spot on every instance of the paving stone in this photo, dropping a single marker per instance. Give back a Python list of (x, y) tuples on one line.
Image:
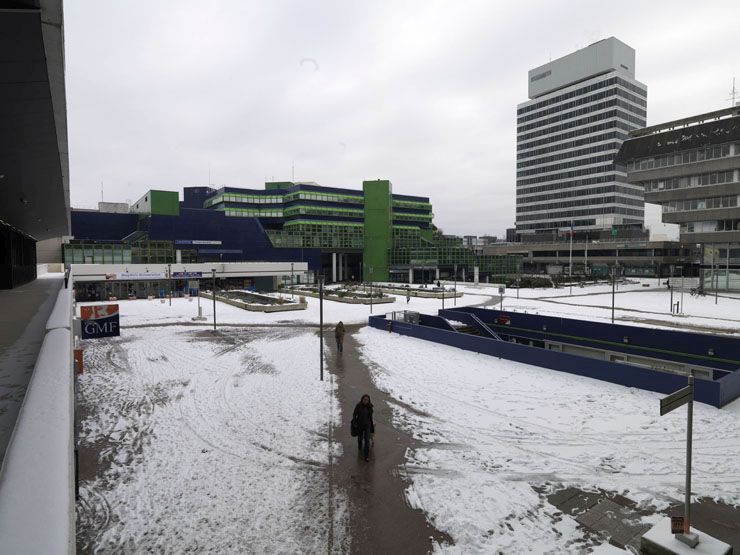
[(561, 496), (580, 503), (595, 513)]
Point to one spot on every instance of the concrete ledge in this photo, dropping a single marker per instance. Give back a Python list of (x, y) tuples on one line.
[(346, 300), (60, 315), (254, 307), (659, 541), (37, 507), (421, 293)]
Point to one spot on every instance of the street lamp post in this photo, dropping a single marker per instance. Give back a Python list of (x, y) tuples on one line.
[(455, 284), (614, 270), (213, 272), (291, 281), (321, 327), (169, 279), (371, 289)]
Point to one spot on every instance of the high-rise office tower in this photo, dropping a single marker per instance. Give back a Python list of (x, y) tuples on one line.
[(580, 110)]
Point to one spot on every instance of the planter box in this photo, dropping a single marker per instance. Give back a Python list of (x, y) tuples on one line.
[(347, 299)]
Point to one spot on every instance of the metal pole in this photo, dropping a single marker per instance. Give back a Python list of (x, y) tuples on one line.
[(291, 281), (371, 289), (214, 299), (687, 510), (670, 287), (716, 287), (169, 279), (682, 287), (570, 259), (321, 327), (614, 270), (727, 271), (455, 284), (443, 297)]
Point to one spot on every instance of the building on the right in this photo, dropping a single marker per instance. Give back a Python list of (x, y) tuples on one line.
[(691, 168)]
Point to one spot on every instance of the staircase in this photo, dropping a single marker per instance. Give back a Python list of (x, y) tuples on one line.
[(470, 330)]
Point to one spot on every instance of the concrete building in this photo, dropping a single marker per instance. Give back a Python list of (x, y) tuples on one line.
[(691, 168), (370, 233), (580, 109), (34, 167)]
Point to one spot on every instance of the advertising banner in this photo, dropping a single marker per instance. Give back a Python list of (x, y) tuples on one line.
[(187, 274), (136, 275), (100, 321)]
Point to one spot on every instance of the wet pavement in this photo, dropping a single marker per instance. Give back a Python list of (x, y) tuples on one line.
[(381, 520)]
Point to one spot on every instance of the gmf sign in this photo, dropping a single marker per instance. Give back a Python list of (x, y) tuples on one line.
[(100, 321)]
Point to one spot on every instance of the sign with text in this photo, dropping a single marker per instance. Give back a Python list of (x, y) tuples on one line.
[(187, 274), (136, 275), (100, 321), (676, 399), (676, 525)]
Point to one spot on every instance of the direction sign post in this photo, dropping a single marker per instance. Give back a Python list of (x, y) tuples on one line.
[(684, 396)]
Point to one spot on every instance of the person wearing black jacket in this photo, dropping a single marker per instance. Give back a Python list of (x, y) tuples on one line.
[(362, 420)]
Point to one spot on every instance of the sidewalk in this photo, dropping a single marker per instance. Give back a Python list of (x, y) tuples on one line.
[(23, 317), (381, 521)]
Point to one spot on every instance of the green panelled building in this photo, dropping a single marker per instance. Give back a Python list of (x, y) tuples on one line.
[(346, 234)]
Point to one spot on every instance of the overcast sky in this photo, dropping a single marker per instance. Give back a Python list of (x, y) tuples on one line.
[(422, 93)]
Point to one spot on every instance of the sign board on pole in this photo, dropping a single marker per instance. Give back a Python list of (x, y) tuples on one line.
[(676, 399), (676, 525), (501, 290), (187, 274), (100, 321)]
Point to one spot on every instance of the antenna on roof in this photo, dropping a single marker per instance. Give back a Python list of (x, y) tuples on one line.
[(733, 94)]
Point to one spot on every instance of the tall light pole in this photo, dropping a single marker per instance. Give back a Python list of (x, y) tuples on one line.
[(169, 279), (570, 259), (371, 289), (213, 272), (321, 326), (455, 284), (614, 271), (291, 281)]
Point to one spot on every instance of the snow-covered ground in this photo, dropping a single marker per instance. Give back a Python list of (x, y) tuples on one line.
[(206, 443), (634, 304), (147, 312), (492, 428)]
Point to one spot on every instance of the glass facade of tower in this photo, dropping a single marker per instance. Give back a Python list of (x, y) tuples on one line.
[(567, 138)]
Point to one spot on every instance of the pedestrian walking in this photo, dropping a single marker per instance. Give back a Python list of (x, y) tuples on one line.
[(363, 425), (339, 336), (408, 295)]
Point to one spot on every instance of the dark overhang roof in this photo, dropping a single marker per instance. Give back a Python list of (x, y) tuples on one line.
[(683, 134)]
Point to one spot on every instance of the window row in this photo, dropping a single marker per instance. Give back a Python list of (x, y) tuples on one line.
[(553, 225), (570, 184), (571, 144), (255, 213), (566, 155), (699, 204), (640, 122), (581, 193), (583, 90), (565, 175), (582, 111), (586, 212), (584, 100), (687, 181), (615, 124), (613, 199), (564, 165), (685, 157), (325, 197), (710, 226)]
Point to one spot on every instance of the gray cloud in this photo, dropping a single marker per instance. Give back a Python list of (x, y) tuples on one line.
[(421, 93)]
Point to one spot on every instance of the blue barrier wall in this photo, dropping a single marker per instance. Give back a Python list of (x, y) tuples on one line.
[(709, 392), (678, 346)]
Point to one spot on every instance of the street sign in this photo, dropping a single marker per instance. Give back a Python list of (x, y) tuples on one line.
[(676, 525), (100, 321), (501, 290), (676, 399)]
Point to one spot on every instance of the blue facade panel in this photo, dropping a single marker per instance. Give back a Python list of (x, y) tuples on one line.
[(102, 226)]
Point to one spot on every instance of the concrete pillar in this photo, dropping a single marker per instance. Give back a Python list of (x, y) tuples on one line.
[(436, 274), (463, 273), (475, 274), (333, 267), (340, 267), (411, 276)]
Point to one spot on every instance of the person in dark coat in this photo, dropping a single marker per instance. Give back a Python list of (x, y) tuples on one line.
[(363, 417), (339, 336)]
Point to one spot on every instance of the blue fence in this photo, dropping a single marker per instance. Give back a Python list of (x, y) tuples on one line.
[(712, 392)]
